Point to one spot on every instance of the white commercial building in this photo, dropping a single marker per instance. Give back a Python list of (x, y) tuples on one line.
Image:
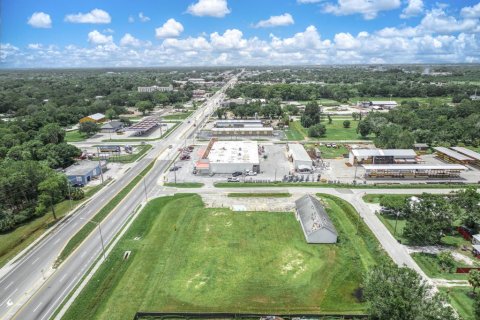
[(300, 158), (233, 156), (155, 88)]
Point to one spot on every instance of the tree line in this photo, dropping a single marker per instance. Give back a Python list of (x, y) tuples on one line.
[(435, 124)]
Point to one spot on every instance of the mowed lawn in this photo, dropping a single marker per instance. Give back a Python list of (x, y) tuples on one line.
[(190, 258)]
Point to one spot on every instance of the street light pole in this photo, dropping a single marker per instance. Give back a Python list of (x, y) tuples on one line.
[(101, 235)]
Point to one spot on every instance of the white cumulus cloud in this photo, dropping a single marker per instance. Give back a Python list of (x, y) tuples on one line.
[(276, 21), (368, 8), (94, 16), (413, 9), (40, 20), (129, 40), (471, 12), (170, 29), (96, 37), (143, 18), (210, 8)]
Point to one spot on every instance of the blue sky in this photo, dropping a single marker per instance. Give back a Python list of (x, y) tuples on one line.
[(109, 33)]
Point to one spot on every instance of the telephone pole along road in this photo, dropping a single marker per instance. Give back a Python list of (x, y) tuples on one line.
[(32, 289)]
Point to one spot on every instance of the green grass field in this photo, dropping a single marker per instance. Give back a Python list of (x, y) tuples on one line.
[(329, 152), (421, 100), (74, 136), (461, 300), (376, 198), (12, 243), (185, 257), (335, 131), (430, 265), (178, 116)]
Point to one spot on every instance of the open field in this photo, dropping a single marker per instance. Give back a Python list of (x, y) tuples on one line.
[(335, 131), (421, 100), (178, 116), (74, 136), (77, 239), (329, 152), (259, 195), (460, 299), (189, 258), (11, 243)]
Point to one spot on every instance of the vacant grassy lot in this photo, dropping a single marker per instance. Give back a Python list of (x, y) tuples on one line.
[(430, 265), (190, 258), (74, 136), (178, 116), (335, 131), (421, 100), (295, 132), (376, 198), (12, 243), (461, 300), (329, 152)]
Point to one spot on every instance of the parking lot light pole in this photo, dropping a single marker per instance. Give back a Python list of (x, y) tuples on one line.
[(101, 236)]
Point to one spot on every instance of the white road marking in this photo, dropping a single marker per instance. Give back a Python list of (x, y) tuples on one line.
[(35, 261), (37, 307), (57, 241), (9, 303), (83, 254), (62, 278), (8, 286)]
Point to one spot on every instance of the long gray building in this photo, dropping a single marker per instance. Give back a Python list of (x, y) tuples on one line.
[(316, 224)]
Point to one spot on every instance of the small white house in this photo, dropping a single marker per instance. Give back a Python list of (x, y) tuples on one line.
[(476, 239), (316, 224)]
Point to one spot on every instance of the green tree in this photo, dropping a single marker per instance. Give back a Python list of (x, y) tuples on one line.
[(364, 128), (356, 116), (111, 114), (311, 115), (144, 106), (317, 130), (394, 293), (477, 307), (52, 190), (346, 124), (330, 120), (446, 261), (467, 205), (88, 127), (51, 133), (474, 279), (428, 219)]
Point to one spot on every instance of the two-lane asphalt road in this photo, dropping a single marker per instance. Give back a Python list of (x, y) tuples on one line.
[(32, 289)]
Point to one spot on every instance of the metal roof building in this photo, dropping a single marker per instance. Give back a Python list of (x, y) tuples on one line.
[(469, 153), (316, 224), (144, 126), (97, 117), (413, 171), (452, 156), (382, 156), (300, 158), (83, 171)]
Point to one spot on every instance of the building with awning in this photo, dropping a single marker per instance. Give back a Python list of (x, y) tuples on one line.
[(382, 156), (299, 157), (449, 155), (413, 171)]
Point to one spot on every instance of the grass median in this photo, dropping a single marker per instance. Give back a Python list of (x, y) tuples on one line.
[(83, 233), (13, 242), (184, 184)]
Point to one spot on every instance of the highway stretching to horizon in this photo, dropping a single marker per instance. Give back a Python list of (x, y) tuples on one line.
[(32, 288)]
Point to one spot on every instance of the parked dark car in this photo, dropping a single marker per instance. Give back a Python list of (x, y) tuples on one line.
[(174, 168), (236, 174)]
